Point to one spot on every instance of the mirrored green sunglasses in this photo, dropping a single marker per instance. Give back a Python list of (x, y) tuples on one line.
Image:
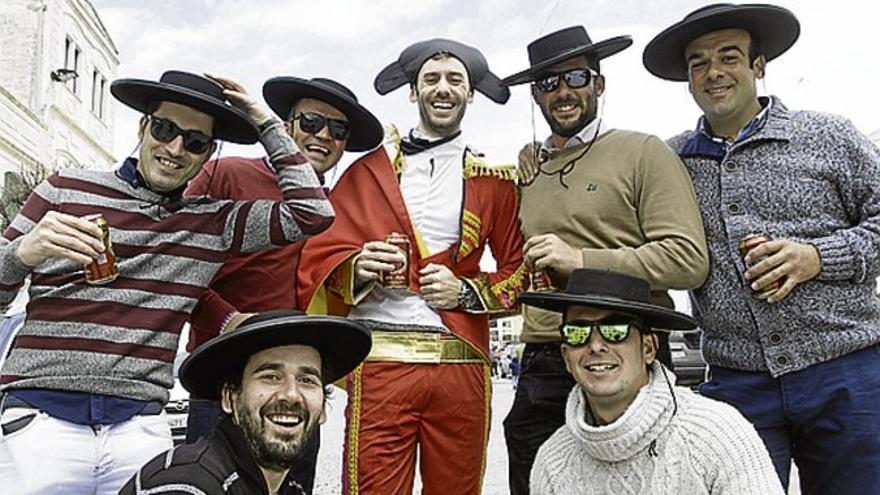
[(613, 329)]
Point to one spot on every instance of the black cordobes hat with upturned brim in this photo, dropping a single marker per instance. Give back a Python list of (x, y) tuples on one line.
[(342, 344), (610, 290), (282, 93), (559, 46), (406, 68), (775, 29), (194, 91)]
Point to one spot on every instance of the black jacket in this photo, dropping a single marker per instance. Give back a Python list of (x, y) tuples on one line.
[(220, 464)]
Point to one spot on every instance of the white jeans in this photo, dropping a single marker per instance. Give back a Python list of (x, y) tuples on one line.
[(50, 456)]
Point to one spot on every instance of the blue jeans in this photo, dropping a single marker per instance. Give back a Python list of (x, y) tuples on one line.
[(825, 417), (204, 414)]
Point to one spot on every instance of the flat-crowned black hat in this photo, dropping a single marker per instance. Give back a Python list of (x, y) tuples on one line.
[(342, 343), (775, 30), (282, 93), (192, 90), (610, 290), (562, 45), (405, 69)]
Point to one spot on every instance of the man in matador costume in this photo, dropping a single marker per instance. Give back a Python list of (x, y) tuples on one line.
[(426, 383)]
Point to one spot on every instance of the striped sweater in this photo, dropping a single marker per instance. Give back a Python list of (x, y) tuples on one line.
[(120, 338)]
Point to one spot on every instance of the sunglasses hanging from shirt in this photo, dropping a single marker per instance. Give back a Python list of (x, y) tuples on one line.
[(166, 131), (313, 123)]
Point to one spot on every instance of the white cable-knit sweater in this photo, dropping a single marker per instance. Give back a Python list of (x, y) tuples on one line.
[(704, 447)]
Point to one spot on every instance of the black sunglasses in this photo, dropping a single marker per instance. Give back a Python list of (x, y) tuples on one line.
[(165, 131), (313, 123), (614, 329), (574, 78)]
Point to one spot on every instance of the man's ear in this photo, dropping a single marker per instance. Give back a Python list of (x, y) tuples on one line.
[(413, 94), (650, 343), (759, 66), (142, 127), (600, 85), (227, 399), (470, 98), (564, 348)]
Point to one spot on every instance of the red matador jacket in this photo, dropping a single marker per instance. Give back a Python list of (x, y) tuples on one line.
[(369, 206)]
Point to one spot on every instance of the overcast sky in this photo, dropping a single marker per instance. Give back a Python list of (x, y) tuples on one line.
[(833, 66)]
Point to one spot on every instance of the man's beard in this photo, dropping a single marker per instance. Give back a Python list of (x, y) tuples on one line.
[(588, 113), (273, 453), (442, 129)]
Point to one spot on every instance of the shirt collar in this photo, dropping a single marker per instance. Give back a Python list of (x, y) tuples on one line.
[(704, 143), (128, 172), (594, 128)]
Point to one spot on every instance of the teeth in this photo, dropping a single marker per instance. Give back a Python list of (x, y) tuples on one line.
[(318, 149), (443, 106), (565, 108), (714, 91), (169, 163), (285, 420), (600, 367)]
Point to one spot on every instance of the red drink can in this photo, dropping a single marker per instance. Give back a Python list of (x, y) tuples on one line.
[(745, 245), (400, 277), (539, 281), (103, 269)]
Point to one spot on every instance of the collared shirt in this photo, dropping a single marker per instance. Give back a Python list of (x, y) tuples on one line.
[(704, 143), (432, 186), (586, 134)]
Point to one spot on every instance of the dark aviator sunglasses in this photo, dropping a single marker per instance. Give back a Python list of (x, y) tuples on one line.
[(574, 78), (165, 131)]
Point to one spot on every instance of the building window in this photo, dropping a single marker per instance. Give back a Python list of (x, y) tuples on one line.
[(99, 88), (72, 55)]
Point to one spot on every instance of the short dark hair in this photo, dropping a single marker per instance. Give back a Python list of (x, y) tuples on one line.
[(754, 50)]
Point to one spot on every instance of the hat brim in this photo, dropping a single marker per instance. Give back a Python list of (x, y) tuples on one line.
[(657, 317), (342, 344), (281, 93), (600, 50), (230, 123), (775, 28)]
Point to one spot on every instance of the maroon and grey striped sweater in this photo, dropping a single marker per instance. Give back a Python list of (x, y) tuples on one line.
[(120, 338)]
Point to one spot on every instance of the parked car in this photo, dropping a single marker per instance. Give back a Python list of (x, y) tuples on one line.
[(687, 358)]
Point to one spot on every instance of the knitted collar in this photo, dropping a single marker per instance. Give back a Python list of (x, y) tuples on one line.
[(632, 433)]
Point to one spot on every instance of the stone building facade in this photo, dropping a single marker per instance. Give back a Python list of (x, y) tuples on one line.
[(56, 64)]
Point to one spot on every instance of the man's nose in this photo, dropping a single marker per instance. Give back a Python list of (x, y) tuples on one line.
[(176, 147)]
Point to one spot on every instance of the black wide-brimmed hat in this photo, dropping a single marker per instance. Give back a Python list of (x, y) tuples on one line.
[(192, 90), (405, 69), (342, 343), (282, 93), (610, 290), (562, 45), (774, 28)]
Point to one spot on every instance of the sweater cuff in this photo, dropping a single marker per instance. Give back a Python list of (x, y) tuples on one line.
[(275, 139), (836, 260), (13, 270)]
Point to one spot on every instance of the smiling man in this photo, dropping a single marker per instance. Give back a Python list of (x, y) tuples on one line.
[(270, 374), (598, 198), (84, 386), (791, 331), (324, 118), (425, 387), (628, 428)]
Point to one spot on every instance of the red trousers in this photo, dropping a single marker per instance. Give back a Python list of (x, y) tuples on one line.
[(393, 408)]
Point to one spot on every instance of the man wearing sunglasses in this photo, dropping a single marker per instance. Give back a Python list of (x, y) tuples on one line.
[(84, 386), (425, 386), (792, 332), (324, 118), (595, 198), (628, 428)]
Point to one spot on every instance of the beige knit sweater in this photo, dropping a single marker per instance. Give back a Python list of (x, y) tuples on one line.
[(701, 447)]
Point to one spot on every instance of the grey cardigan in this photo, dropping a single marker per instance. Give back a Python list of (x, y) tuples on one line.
[(805, 176)]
